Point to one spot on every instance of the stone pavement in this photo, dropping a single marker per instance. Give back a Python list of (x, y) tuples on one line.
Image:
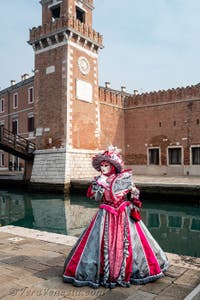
[(31, 265), (168, 180), (151, 180)]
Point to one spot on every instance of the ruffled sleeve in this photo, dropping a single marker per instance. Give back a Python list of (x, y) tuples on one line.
[(95, 191)]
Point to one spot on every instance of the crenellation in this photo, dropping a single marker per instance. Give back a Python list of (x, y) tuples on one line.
[(112, 97), (163, 96), (62, 25)]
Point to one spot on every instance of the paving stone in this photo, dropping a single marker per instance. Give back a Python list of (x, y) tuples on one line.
[(181, 261), (190, 278), (47, 258), (50, 272), (17, 272), (4, 255), (64, 249), (15, 260), (25, 262), (58, 261), (9, 289), (87, 293), (174, 272), (55, 283), (166, 279), (4, 269), (179, 292), (114, 294), (155, 287), (166, 298), (140, 295), (4, 235), (6, 278), (28, 280), (128, 291)]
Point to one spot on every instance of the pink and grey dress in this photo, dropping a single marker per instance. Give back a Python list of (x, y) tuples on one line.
[(116, 248)]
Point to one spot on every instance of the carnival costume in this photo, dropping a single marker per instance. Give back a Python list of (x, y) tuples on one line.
[(116, 248)]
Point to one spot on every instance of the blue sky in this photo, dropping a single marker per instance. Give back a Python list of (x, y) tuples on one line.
[(149, 45)]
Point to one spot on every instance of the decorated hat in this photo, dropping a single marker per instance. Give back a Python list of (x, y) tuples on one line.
[(111, 155)]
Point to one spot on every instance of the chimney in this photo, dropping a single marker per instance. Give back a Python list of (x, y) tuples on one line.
[(107, 84), (12, 82), (24, 76), (123, 89)]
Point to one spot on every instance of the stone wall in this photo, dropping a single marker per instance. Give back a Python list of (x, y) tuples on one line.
[(60, 166), (50, 166), (81, 164)]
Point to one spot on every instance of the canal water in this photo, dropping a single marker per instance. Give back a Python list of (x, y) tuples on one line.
[(175, 225)]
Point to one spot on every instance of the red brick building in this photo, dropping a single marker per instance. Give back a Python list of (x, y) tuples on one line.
[(17, 115), (63, 109)]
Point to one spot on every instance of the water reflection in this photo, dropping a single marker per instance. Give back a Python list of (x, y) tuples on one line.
[(175, 226)]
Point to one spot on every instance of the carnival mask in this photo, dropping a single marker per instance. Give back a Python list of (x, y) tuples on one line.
[(105, 167)]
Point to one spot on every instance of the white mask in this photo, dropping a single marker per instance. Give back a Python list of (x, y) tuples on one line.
[(105, 167)]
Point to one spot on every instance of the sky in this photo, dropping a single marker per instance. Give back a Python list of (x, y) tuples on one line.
[(149, 45)]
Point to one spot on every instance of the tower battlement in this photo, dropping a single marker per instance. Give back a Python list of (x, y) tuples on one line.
[(60, 27), (155, 98), (112, 97)]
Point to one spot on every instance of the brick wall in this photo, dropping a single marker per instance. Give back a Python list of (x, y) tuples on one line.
[(50, 98), (20, 113), (112, 118), (161, 119)]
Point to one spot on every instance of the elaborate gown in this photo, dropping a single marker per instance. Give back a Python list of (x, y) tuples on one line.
[(116, 247)]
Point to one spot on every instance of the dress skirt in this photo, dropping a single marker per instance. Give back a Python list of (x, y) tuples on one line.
[(114, 250)]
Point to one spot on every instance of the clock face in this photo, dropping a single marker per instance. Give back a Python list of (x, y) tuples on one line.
[(83, 64)]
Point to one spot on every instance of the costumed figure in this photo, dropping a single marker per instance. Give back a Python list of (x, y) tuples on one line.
[(116, 248)]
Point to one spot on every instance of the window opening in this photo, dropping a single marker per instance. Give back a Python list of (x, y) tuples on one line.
[(154, 156), (80, 14), (30, 95), (2, 162), (31, 124), (55, 12), (196, 155), (2, 105), (15, 100), (14, 127), (1, 128), (174, 155)]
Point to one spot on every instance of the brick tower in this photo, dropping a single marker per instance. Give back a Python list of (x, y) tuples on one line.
[(66, 91)]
